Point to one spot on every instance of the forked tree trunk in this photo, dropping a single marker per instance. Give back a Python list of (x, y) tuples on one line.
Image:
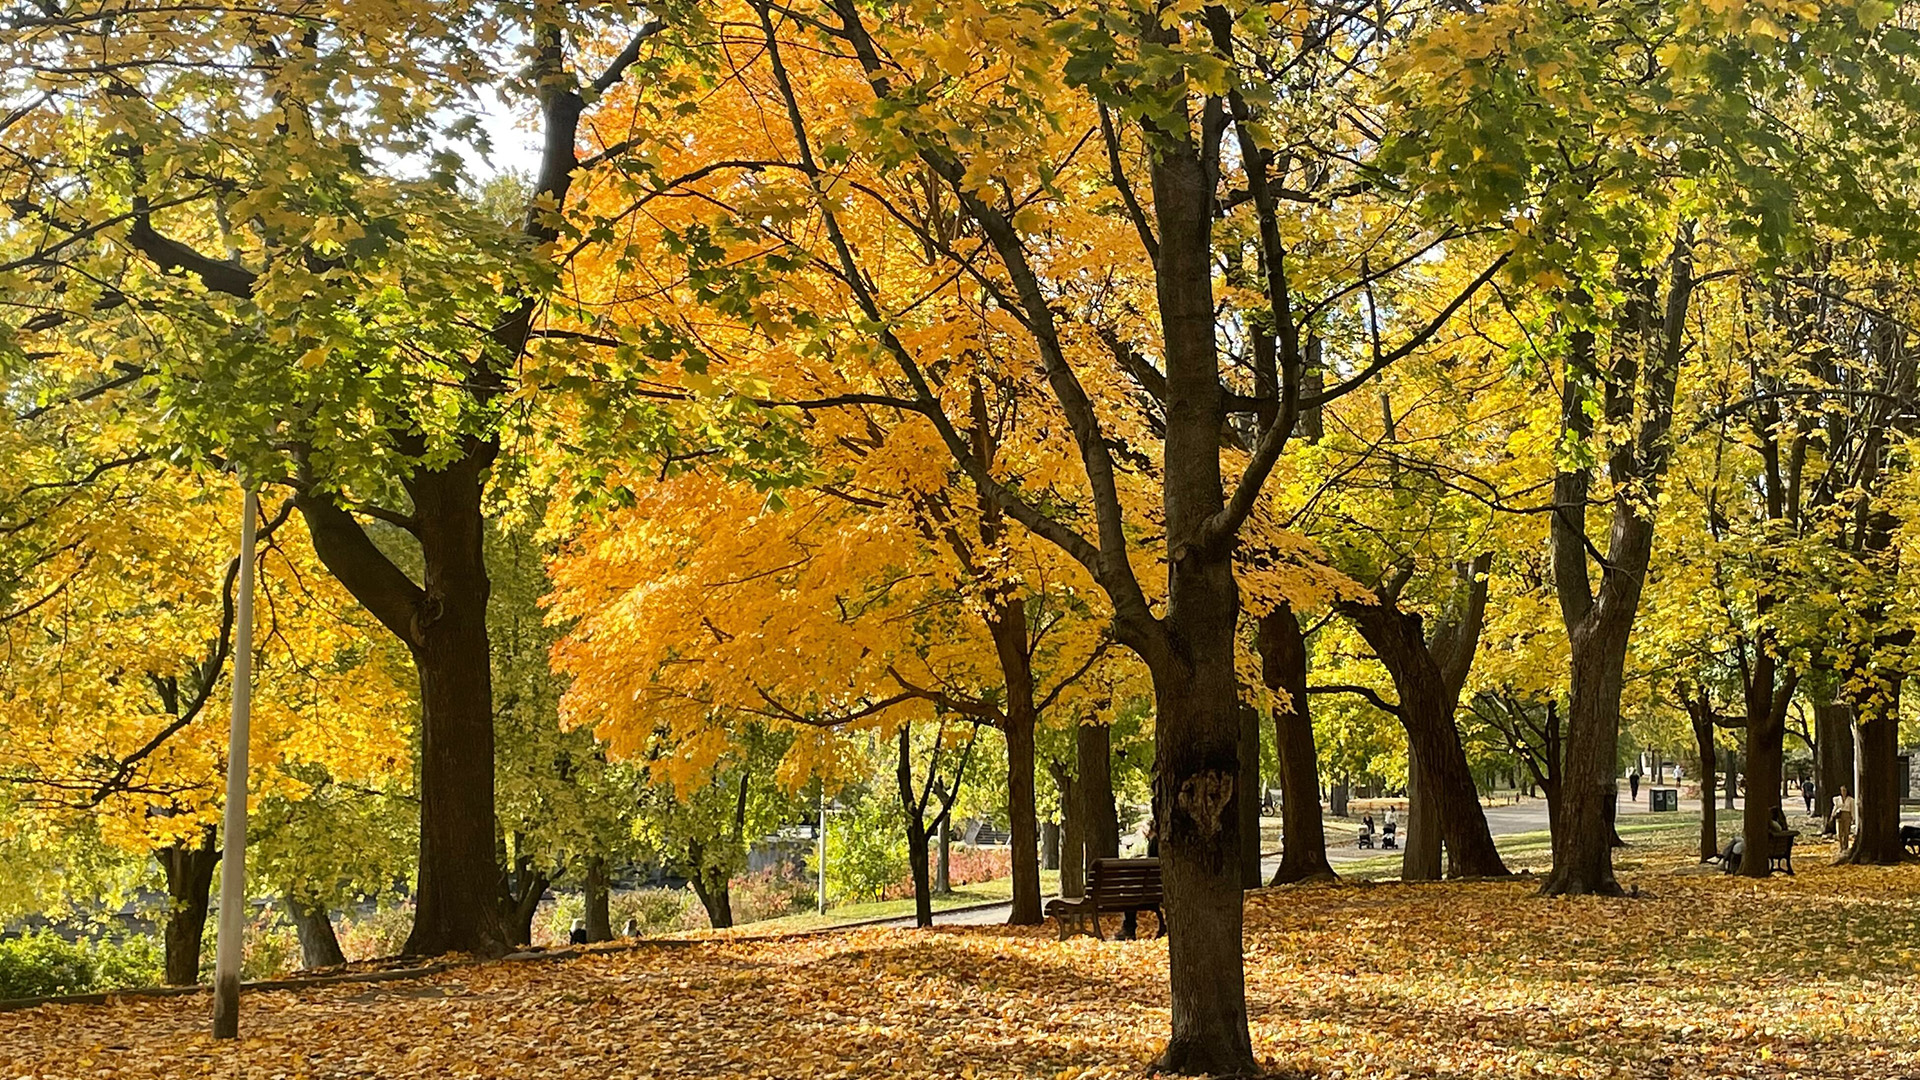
[(1649, 342), (1439, 772), (189, 873), (599, 915), (443, 622), (715, 890), (520, 893), (1283, 667), (319, 945), (915, 809)]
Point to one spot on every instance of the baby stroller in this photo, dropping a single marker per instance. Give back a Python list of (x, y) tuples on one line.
[(1366, 837), (1388, 839)]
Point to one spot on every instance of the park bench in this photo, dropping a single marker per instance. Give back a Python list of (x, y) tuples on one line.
[(1115, 886), (1779, 855), (1910, 839)]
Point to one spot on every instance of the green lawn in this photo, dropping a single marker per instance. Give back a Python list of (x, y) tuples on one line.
[(997, 891)]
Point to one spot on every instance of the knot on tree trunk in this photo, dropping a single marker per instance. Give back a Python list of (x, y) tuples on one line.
[(1204, 797)]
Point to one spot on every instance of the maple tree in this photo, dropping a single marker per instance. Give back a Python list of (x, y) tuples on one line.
[(235, 210)]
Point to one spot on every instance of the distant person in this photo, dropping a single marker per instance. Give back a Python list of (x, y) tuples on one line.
[(1842, 818), (578, 935), (632, 929), (1633, 785), (1806, 791)]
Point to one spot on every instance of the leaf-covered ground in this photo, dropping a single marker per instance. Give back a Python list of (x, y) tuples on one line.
[(1812, 976)]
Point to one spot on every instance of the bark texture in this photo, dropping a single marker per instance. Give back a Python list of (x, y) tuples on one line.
[(319, 945), (599, 916), (189, 872)]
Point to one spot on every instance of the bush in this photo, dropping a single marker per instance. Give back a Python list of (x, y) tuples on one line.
[(374, 935), (657, 911), (41, 964), (135, 961), (866, 851), (770, 894)]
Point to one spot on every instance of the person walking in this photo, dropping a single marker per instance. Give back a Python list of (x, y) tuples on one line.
[(1806, 791), (1842, 818), (1633, 784)]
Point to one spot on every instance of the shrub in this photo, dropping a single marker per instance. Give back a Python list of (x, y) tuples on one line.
[(770, 894), (866, 851), (375, 934), (40, 964), (134, 961), (657, 911), (44, 963)]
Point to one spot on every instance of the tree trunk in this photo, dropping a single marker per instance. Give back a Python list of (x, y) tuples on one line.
[(715, 891), (1876, 836), (1733, 775), (1073, 843), (1341, 792), (1636, 389), (918, 850), (1583, 859), (943, 864), (1702, 717), (189, 872), (915, 808), (319, 946), (1283, 667), (1440, 773), (1249, 784), (599, 917), (443, 622), (1768, 695), (1009, 631), (520, 893), (1099, 818), (1420, 847), (1049, 845)]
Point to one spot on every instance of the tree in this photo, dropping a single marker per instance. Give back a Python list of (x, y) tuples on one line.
[(1726, 93), (298, 300)]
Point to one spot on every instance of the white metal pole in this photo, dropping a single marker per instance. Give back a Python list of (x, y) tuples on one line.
[(823, 848), (233, 853)]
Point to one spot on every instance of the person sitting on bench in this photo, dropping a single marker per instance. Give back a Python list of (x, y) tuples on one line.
[(1737, 847)]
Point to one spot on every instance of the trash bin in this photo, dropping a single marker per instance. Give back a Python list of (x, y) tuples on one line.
[(1663, 798)]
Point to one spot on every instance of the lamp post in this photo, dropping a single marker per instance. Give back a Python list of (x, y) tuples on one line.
[(233, 853)]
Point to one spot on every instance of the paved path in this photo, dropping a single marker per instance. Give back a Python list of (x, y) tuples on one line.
[(1528, 816)]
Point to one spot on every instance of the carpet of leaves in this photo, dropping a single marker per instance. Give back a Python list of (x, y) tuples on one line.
[(1813, 976)]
